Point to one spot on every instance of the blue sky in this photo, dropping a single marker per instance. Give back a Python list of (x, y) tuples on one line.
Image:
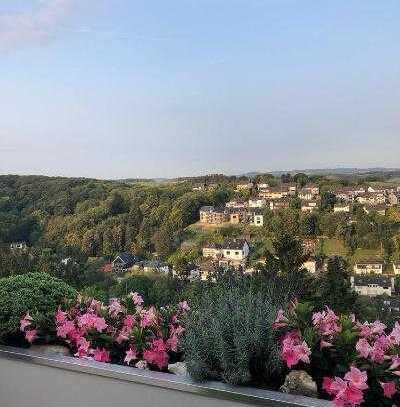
[(127, 88)]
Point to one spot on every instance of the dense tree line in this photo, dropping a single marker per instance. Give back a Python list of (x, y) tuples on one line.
[(100, 218)]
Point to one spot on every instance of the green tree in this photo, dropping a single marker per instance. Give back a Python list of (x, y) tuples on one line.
[(288, 255), (328, 200), (333, 287)]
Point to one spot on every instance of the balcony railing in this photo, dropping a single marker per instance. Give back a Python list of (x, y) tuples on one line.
[(31, 379)]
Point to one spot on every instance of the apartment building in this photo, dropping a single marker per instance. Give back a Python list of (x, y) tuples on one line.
[(369, 266), (212, 215), (372, 286)]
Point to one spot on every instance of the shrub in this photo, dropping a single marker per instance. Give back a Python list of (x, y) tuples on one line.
[(123, 332), (229, 333), (352, 363), (36, 293), (157, 290)]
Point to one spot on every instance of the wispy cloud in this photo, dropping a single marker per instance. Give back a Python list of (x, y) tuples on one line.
[(24, 29)]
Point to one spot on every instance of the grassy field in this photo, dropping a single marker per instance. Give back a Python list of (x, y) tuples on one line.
[(334, 247)]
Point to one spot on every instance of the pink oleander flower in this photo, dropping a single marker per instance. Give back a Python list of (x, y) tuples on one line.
[(326, 385), (281, 321), (131, 354), (345, 393), (92, 321), (83, 348), (75, 335), (61, 317), (95, 306), (129, 321), (172, 343), (101, 355), (100, 324), (395, 334), (338, 386), (157, 354), (115, 307), (389, 389), (378, 328), (357, 378), (326, 322), (136, 298), (31, 335), (65, 329), (395, 362), (25, 322), (148, 318), (178, 330), (352, 396), (363, 348), (294, 351), (369, 330), (184, 306), (379, 348)]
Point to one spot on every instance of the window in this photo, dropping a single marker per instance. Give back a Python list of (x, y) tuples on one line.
[(228, 252), (237, 253)]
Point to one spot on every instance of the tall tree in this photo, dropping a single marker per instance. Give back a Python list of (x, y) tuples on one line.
[(333, 287)]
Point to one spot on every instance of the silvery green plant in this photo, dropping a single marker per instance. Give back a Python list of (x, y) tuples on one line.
[(229, 333)]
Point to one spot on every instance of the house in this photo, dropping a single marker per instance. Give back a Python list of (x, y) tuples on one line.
[(274, 193), (396, 268), (348, 194), (369, 266), (124, 261), (212, 250), (237, 216), (199, 187), (291, 187), (372, 286), (18, 246), (256, 217), (257, 203), (211, 215), (262, 186), (236, 204), (233, 252), (278, 204), (371, 198), (393, 198), (380, 190), (341, 208), (309, 192), (154, 266), (309, 206), (244, 186)]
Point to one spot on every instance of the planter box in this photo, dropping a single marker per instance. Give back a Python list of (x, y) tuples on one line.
[(33, 379)]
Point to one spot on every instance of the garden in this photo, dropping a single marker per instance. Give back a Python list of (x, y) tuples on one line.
[(239, 330)]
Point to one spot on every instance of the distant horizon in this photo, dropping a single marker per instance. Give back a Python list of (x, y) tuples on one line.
[(204, 174)]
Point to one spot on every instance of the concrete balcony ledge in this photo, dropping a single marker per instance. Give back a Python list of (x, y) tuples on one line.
[(33, 379)]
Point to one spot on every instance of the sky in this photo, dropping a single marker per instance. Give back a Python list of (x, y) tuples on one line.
[(125, 88)]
